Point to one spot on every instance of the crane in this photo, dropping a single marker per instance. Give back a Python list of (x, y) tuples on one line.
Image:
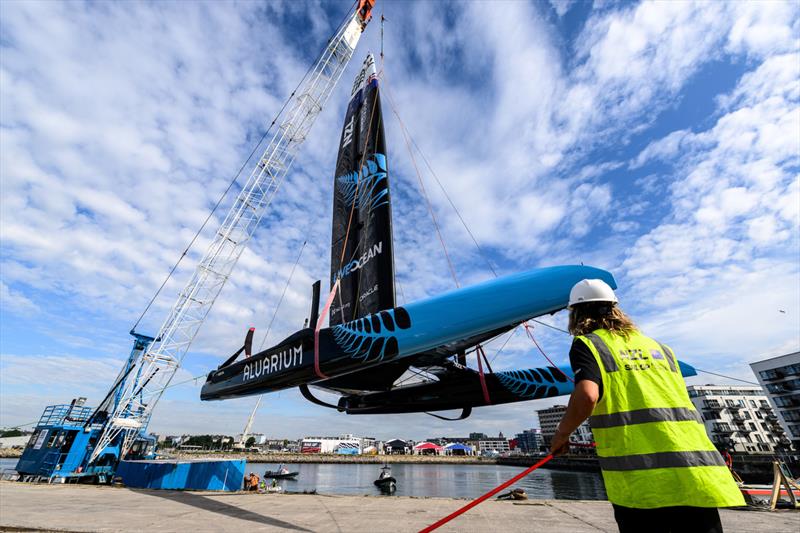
[(242, 444), (155, 360)]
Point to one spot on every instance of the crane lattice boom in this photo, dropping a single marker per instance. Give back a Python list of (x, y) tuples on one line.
[(158, 364)]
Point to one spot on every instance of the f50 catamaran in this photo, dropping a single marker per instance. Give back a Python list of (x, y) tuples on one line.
[(370, 341)]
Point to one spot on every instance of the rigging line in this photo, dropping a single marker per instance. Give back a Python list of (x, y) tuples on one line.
[(422, 185), (528, 331), (288, 280), (727, 377), (415, 373), (363, 237), (450, 201), (230, 185), (512, 332), (355, 198)]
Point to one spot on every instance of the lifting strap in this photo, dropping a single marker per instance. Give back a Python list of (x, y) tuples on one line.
[(320, 321), (480, 354)]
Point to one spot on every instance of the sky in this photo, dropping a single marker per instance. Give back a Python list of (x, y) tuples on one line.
[(657, 140)]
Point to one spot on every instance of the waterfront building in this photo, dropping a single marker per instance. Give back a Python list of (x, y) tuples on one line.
[(492, 445), (344, 444), (549, 419), (259, 439), (530, 440), (737, 418), (397, 447), (780, 378)]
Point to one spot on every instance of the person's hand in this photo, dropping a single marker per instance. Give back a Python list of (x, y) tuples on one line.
[(560, 443)]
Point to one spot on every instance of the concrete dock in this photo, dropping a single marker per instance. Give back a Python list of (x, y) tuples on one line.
[(26, 507)]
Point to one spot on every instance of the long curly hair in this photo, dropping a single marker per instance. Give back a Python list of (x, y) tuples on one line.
[(585, 318)]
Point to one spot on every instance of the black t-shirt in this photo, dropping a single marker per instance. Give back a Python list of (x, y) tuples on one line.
[(584, 365)]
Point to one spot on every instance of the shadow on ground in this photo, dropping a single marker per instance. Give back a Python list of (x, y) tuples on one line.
[(218, 507)]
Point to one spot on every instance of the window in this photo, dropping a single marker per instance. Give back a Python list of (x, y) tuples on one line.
[(792, 400), (791, 416), (792, 385), (752, 403), (758, 438)]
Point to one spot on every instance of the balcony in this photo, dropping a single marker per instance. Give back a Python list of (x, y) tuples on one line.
[(711, 404), (723, 428)]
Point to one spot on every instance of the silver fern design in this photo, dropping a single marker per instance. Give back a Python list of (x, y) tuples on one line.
[(372, 186), (371, 338), (532, 383)]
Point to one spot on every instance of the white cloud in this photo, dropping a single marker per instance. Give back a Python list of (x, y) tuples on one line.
[(121, 130)]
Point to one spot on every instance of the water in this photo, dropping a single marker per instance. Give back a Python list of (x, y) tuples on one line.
[(439, 480), (430, 480)]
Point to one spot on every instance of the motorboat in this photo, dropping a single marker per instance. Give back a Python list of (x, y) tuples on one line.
[(281, 473), (386, 482)]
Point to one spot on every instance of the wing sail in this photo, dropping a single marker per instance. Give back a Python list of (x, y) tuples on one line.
[(361, 245)]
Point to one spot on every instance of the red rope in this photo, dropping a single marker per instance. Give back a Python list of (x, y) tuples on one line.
[(320, 321), (527, 330), (479, 353), (486, 496)]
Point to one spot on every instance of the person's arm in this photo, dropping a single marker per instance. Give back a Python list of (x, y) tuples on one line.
[(581, 404)]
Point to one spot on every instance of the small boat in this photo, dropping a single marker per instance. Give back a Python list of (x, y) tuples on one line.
[(385, 481), (280, 473), (515, 494)]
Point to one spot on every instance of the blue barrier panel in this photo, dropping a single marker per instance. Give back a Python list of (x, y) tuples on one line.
[(220, 475)]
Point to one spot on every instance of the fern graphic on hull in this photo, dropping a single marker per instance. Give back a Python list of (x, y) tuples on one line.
[(534, 383), (372, 338)]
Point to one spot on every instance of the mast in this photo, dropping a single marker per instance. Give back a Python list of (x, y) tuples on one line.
[(159, 363)]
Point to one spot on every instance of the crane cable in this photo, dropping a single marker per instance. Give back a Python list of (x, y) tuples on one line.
[(280, 300), (235, 179)]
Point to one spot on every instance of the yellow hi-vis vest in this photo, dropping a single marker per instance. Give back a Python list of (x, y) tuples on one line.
[(651, 442)]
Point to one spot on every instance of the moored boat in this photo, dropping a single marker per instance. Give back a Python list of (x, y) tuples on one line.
[(280, 473), (386, 482)]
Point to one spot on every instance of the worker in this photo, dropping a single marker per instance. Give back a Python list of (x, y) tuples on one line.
[(661, 471), (252, 482)]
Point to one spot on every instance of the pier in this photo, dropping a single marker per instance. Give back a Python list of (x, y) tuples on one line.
[(94, 508)]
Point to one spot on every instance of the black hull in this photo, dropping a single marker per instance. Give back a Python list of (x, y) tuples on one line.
[(458, 390), (274, 475)]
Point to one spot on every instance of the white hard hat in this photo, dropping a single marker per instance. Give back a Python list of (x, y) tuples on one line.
[(591, 290)]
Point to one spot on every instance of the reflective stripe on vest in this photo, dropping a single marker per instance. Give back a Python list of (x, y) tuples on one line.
[(644, 416), (609, 363), (652, 447), (649, 461)]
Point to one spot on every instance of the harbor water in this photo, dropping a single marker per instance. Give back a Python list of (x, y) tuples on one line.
[(429, 480)]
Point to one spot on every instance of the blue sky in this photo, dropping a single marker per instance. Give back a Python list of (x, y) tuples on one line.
[(660, 141)]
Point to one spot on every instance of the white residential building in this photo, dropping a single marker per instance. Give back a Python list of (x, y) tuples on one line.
[(780, 377), (736, 417), (491, 445)]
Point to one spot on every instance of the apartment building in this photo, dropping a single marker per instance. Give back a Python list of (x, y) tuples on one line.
[(549, 419), (737, 418), (780, 378)]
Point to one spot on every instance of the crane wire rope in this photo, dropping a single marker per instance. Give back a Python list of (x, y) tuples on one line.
[(421, 183), (411, 141), (235, 179), (280, 300)]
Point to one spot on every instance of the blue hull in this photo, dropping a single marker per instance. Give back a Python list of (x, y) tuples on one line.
[(436, 323)]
